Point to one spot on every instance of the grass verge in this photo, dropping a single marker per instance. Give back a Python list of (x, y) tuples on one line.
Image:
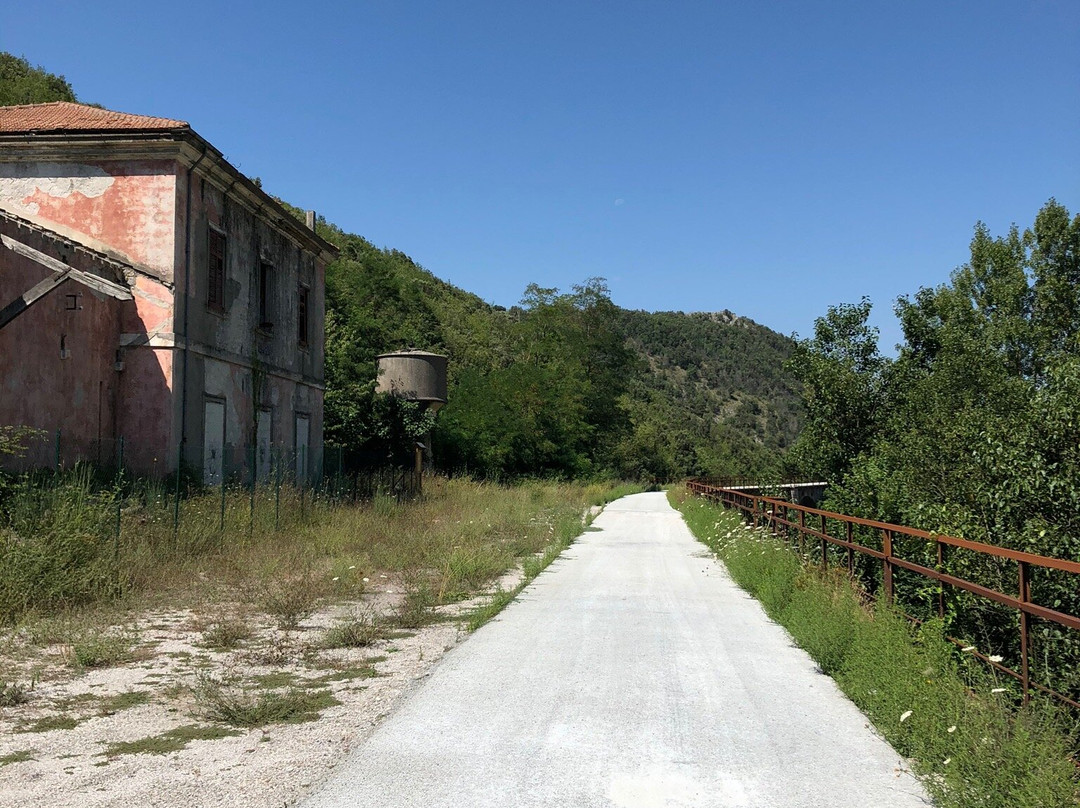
[(970, 742)]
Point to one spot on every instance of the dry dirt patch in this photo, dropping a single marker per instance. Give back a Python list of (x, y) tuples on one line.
[(213, 708)]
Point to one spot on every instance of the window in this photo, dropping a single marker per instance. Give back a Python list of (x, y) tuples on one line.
[(266, 279), (215, 271), (302, 317)]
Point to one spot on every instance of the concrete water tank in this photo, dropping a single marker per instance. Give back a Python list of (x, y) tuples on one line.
[(413, 375)]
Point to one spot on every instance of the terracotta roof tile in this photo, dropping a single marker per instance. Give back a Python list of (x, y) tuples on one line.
[(65, 116)]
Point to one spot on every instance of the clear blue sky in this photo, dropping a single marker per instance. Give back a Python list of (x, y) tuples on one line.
[(771, 158)]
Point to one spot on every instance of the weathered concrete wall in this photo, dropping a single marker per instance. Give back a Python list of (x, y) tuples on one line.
[(127, 205), (233, 356)]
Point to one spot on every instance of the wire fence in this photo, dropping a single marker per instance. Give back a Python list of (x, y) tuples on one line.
[(1018, 612), (237, 486)]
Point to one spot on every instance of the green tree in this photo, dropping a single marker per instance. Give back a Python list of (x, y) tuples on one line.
[(841, 372), (21, 83)]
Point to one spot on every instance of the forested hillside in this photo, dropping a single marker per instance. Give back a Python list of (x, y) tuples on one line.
[(564, 384)]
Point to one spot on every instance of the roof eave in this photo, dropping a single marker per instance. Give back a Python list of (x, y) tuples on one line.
[(193, 149)]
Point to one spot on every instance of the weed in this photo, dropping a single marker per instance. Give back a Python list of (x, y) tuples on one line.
[(101, 650), (292, 600), (171, 741), (417, 609), (349, 674), (52, 722), (495, 604), (278, 650), (274, 680), (226, 634), (124, 701), (18, 757), (358, 631), (240, 708), (13, 694)]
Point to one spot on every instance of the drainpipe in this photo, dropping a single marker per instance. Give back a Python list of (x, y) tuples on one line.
[(187, 307)]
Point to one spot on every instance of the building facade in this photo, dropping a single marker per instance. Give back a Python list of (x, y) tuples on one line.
[(191, 322)]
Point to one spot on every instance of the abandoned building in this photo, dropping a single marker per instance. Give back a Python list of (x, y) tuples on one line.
[(150, 291)]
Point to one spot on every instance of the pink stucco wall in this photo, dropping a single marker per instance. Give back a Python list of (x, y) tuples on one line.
[(127, 205), (39, 387)]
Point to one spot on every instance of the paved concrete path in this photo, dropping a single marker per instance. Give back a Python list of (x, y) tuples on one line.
[(632, 673)]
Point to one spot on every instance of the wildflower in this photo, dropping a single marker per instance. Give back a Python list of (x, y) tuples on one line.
[(952, 728), (366, 580), (352, 567), (995, 658), (905, 716), (998, 690), (336, 578), (946, 761), (968, 648)]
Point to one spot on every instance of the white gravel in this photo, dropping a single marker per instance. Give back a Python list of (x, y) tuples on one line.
[(273, 766)]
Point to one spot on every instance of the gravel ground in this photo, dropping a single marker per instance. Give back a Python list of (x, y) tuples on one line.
[(274, 765)]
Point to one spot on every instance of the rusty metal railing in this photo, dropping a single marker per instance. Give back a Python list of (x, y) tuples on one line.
[(784, 517)]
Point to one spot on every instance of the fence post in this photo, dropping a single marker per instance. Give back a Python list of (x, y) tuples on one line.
[(176, 494), (941, 585), (277, 491), (824, 547), (886, 564), (802, 530), (119, 501), (224, 474), (1025, 598), (251, 504), (301, 481), (850, 551)]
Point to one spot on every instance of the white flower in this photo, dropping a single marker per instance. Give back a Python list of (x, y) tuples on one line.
[(366, 580), (952, 728), (995, 658), (905, 716), (968, 648), (336, 578), (946, 761), (352, 566), (998, 690)]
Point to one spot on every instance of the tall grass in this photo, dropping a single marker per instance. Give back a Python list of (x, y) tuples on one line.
[(282, 551), (970, 741)]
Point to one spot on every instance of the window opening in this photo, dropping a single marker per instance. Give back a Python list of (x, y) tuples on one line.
[(302, 317), (215, 271)]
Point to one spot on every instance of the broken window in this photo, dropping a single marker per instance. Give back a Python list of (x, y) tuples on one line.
[(215, 271)]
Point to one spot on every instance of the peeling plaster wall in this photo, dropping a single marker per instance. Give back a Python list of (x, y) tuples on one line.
[(137, 208), (126, 204)]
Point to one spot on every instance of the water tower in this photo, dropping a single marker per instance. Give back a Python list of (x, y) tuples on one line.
[(414, 376)]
